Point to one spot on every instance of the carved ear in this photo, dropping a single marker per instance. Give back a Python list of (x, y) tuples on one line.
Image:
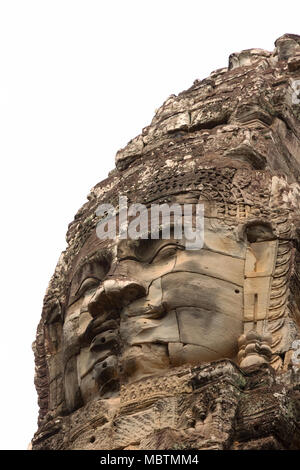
[(71, 386)]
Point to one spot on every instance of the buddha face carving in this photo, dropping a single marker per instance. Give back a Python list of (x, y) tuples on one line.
[(151, 305), (119, 314), (137, 308)]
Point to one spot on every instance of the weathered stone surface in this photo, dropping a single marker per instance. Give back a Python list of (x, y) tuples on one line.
[(144, 344), (214, 406)]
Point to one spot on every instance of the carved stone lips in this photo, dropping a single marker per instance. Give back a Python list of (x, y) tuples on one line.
[(96, 359), (104, 340), (98, 326)]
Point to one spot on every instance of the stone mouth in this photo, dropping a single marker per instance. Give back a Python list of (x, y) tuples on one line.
[(98, 326), (101, 340), (98, 360)]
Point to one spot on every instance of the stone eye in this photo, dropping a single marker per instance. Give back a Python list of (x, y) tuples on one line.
[(165, 252), (87, 285)]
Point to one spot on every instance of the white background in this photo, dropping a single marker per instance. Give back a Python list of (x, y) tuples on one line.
[(78, 80)]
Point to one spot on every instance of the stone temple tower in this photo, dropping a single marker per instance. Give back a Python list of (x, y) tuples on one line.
[(145, 344)]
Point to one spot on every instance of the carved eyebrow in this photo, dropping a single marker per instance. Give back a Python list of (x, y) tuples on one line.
[(144, 250)]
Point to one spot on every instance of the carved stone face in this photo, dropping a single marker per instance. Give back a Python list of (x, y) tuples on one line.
[(123, 320), (150, 305)]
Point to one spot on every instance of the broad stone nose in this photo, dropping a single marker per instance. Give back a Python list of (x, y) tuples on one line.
[(114, 294)]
